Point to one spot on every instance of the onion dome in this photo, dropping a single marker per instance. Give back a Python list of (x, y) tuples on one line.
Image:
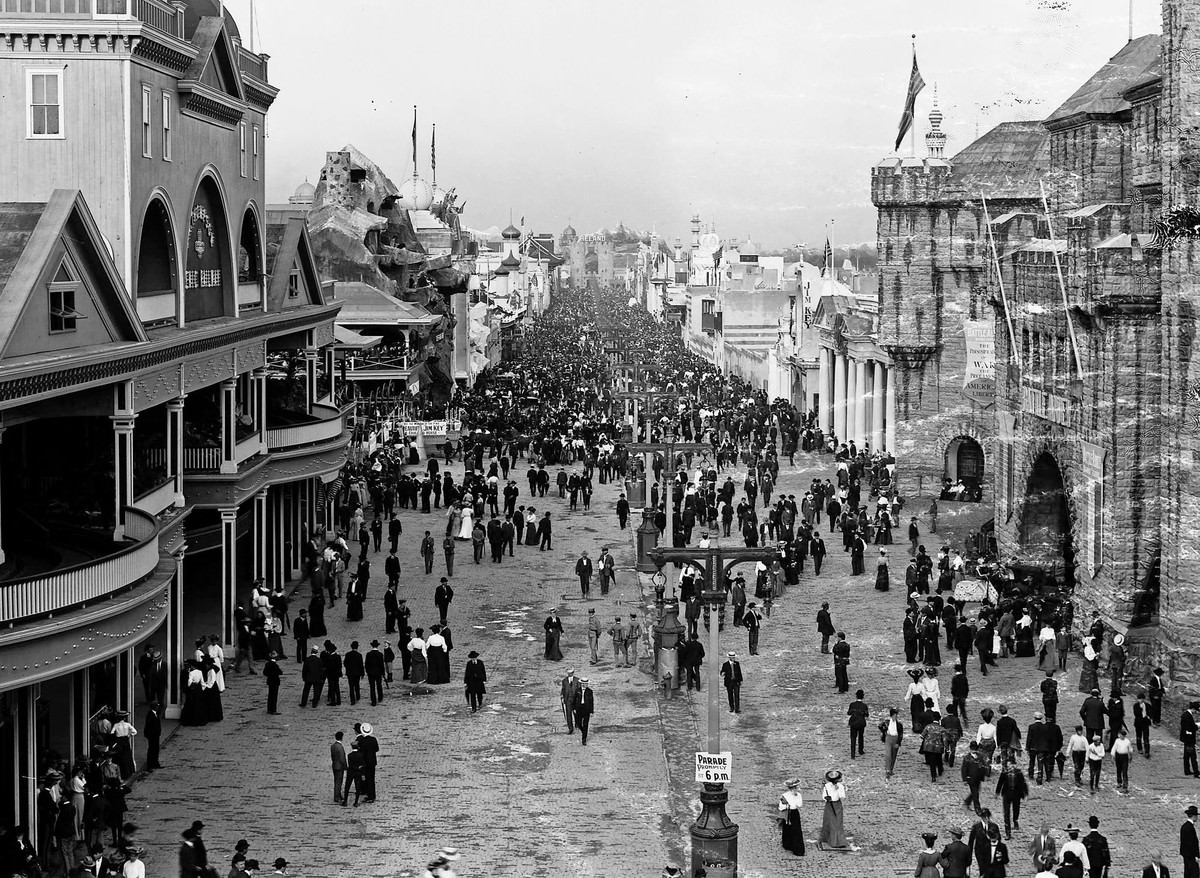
[(415, 194)]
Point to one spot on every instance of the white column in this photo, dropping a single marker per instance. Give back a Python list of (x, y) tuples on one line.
[(175, 446), (329, 356), (259, 379), (228, 426), (122, 471), (890, 426), (260, 534), (310, 374), (228, 571), (877, 402), (860, 403), (823, 378), (839, 397), (174, 653), (850, 375)]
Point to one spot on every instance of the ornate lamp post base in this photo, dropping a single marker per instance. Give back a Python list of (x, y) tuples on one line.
[(714, 835)]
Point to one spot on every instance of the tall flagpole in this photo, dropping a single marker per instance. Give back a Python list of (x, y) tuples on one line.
[(913, 128)]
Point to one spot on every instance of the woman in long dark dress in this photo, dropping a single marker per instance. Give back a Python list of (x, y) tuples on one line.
[(194, 711), (438, 656), (258, 636), (882, 578), (789, 820), (419, 664), (212, 692), (354, 602), (531, 537), (316, 616), (553, 627), (833, 833)]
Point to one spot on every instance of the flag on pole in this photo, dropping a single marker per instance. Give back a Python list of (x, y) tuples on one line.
[(826, 258), (915, 84), (433, 153), (414, 138)]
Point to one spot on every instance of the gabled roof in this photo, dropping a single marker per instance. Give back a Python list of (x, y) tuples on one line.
[(363, 305), (1007, 162), (288, 245), (1102, 94), (217, 56), (29, 237)]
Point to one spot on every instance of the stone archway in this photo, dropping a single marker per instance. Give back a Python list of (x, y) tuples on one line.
[(1045, 528), (965, 462)]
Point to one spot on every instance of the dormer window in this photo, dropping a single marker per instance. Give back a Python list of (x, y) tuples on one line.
[(61, 300)]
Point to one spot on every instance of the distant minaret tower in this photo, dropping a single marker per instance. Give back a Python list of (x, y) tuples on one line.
[(695, 231), (935, 140)]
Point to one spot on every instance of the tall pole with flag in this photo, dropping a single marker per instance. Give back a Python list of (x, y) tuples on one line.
[(414, 149), (915, 84), (433, 155)]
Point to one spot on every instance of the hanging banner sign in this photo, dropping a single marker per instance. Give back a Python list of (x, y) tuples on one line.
[(979, 376)]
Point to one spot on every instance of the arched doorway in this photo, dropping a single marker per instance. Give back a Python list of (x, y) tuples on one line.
[(208, 278), (965, 463), (250, 263), (1045, 530), (156, 271)]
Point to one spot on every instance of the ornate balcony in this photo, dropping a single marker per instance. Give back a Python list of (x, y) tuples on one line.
[(325, 424), (64, 588)]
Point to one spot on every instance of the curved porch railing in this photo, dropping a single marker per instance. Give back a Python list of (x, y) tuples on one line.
[(57, 591)]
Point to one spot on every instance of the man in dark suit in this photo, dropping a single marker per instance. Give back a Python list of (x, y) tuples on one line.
[(332, 662), (1092, 712), (841, 663), (583, 569), (567, 689), (442, 596), (1141, 724), (731, 674), (1187, 736), (956, 856), (979, 841), (337, 760), (495, 536), (1155, 868), (692, 655), (817, 550), (583, 706), (152, 729), (1035, 743), (375, 668), (1189, 845), (994, 863), (960, 688), (272, 674), (353, 665), (312, 672), (825, 626), (1096, 845), (300, 635), (1008, 735), (545, 533)]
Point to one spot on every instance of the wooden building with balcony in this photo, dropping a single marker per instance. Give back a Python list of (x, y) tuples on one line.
[(167, 386)]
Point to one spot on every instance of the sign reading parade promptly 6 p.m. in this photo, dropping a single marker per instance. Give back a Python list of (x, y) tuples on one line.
[(714, 767)]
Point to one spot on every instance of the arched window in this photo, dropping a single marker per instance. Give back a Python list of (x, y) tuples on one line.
[(249, 250), (157, 273), (208, 288)]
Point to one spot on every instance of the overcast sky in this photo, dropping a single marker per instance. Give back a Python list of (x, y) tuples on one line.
[(764, 116)]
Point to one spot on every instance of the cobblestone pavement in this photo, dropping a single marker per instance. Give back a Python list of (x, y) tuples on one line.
[(522, 798)]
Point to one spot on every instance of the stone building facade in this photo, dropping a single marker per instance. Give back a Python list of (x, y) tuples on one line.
[(1089, 448)]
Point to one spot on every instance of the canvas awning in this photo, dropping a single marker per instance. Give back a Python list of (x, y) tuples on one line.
[(348, 338)]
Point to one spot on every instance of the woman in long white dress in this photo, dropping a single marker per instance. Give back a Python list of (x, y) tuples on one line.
[(468, 523)]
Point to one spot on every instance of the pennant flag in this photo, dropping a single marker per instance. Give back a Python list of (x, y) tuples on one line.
[(915, 84), (414, 138), (717, 254), (826, 258)]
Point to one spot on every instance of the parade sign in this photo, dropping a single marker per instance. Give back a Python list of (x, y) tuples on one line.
[(714, 767)]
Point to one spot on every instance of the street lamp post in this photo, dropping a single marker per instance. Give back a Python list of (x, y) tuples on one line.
[(714, 835)]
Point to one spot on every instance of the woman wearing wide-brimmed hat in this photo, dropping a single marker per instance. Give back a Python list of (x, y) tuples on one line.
[(833, 835), (916, 698), (789, 820)]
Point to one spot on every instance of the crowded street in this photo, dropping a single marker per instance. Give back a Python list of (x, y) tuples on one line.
[(517, 795)]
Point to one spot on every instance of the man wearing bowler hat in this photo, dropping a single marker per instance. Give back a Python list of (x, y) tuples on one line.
[(1189, 845), (956, 856), (731, 673)]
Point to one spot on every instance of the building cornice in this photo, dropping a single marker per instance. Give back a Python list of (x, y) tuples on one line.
[(44, 378), (209, 104)]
